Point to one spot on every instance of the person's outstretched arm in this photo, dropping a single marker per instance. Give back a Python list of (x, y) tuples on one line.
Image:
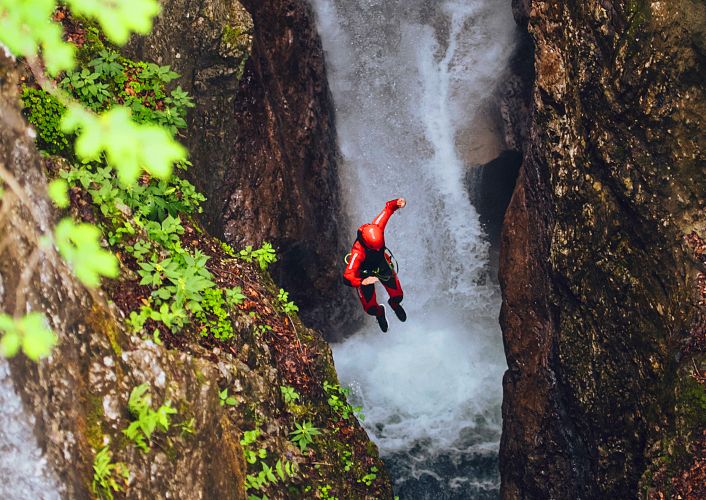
[(390, 208)]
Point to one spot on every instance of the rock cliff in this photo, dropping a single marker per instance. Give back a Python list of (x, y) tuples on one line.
[(236, 402), (602, 255), (262, 136)]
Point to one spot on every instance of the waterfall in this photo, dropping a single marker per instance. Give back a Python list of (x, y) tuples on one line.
[(408, 79), (23, 468)]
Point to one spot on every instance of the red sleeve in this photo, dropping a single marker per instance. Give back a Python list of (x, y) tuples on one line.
[(384, 216), (352, 275)]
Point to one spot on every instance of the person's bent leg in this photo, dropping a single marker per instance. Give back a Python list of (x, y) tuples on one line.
[(368, 299), (394, 290), (371, 306)]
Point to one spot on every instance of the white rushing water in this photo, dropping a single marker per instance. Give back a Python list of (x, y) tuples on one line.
[(23, 469), (408, 78)]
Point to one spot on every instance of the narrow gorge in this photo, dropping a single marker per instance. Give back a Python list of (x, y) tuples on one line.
[(552, 253)]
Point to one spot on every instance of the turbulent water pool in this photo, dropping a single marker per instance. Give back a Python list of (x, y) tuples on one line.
[(409, 78)]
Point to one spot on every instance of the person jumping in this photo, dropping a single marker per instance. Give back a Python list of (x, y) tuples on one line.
[(370, 261)]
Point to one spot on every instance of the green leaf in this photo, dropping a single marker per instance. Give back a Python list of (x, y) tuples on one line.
[(29, 333), (79, 245), (280, 470), (58, 192), (129, 147), (268, 473), (37, 339), (10, 344), (139, 399), (26, 26)]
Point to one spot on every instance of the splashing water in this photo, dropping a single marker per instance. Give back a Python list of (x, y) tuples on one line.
[(408, 79), (24, 470)]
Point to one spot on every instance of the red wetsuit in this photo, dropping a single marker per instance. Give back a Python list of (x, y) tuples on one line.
[(365, 262)]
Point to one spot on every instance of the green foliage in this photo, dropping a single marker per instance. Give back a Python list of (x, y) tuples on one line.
[(26, 30), (304, 434), (337, 401), (265, 474), (289, 394), (265, 255), (261, 329), (29, 333), (167, 233), (118, 18), (108, 477), (87, 87), (44, 112), (214, 316), (79, 245), (153, 200), (234, 296), (25, 26), (225, 399), (347, 459), (188, 427), (57, 190), (107, 65), (260, 480), (171, 315), (128, 147), (146, 420), (287, 305), (251, 454), (369, 477), (324, 491), (139, 86), (182, 279), (285, 469), (228, 249)]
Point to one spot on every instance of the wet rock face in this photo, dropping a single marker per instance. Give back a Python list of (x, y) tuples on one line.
[(207, 42), (289, 191), (263, 146), (493, 184), (79, 395), (598, 285)]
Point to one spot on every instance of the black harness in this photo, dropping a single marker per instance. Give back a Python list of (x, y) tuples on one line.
[(376, 263)]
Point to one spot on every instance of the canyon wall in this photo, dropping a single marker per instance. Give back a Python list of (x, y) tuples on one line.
[(78, 397), (262, 137), (602, 254)]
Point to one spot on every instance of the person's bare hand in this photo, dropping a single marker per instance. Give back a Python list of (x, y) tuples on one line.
[(369, 280), (401, 202)]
